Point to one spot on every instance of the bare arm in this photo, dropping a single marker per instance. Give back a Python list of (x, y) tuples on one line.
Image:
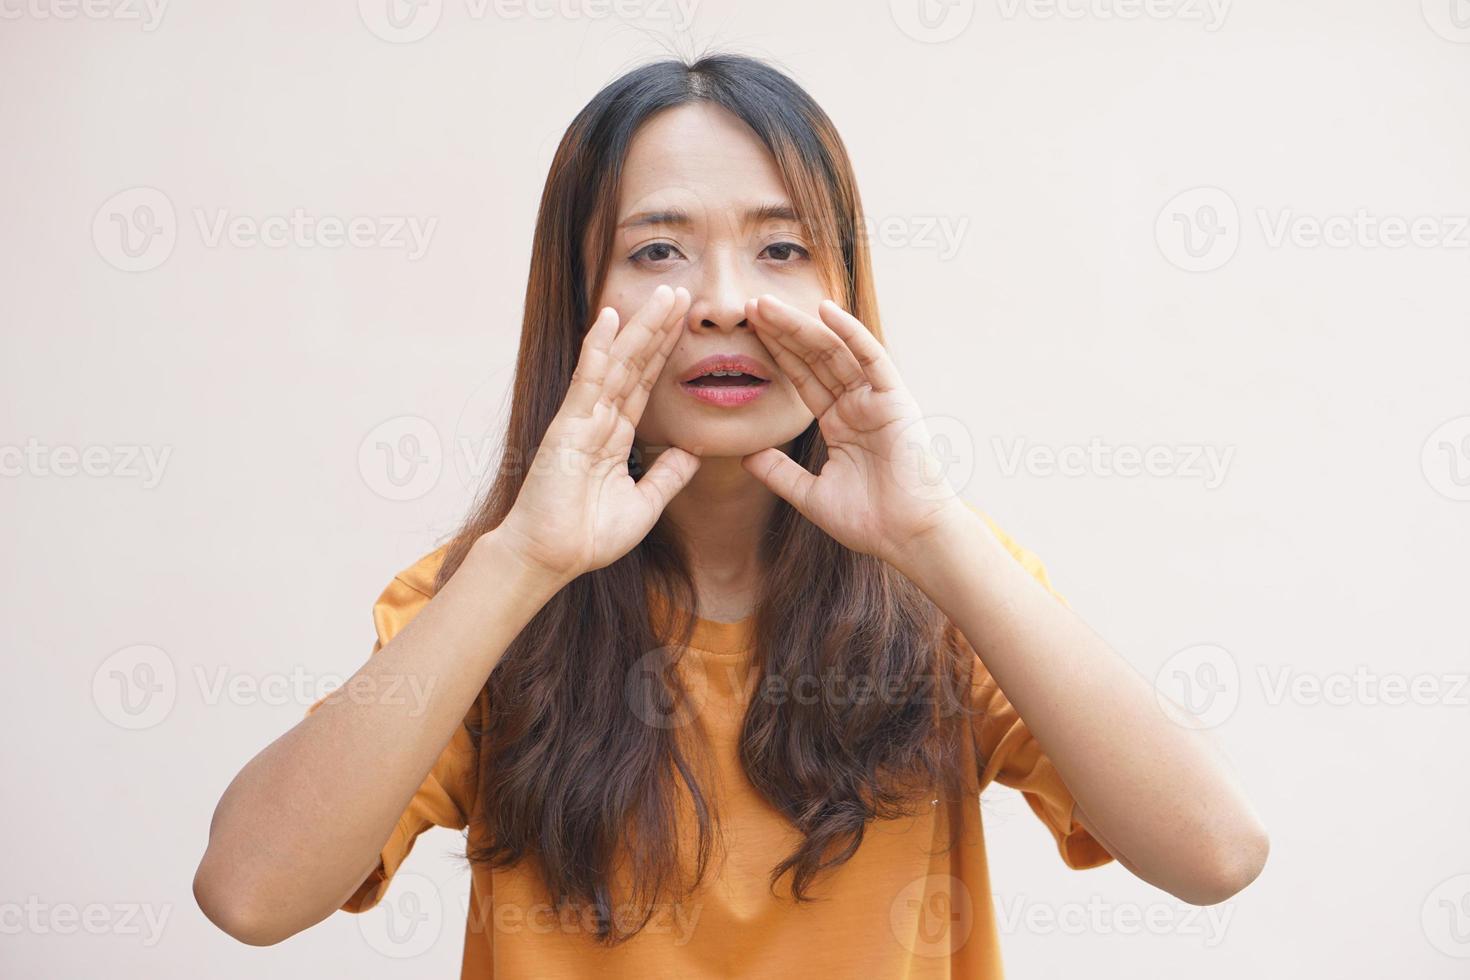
[(1151, 786), (303, 823), (1155, 790)]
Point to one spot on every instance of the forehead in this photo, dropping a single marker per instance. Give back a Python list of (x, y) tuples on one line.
[(697, 156)]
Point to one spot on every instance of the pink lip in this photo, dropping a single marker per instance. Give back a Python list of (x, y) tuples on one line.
[(725, 397)]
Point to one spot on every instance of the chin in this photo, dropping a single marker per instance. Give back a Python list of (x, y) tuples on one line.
[(736, 438)]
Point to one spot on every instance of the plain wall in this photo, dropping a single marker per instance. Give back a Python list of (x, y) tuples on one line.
[(1093, 227)]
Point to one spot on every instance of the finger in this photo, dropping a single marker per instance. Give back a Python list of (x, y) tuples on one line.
[(634, 343), (815, 343), (667, 336), (637, 401), (785, 477), (669, 474), (762, 316), (814, 393), (590, 375), (871, 356)]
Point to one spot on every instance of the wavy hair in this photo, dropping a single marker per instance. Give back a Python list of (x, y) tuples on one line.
[(570, 775)]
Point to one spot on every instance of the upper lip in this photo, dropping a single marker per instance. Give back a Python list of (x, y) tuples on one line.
[(726, 362)]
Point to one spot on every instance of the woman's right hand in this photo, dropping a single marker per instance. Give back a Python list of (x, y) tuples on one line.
[(579, 508)]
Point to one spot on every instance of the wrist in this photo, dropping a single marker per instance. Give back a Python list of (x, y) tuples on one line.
[(495, 552), (960, 541)]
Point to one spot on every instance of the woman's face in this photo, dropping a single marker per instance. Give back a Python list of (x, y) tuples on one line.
[(702, 205)]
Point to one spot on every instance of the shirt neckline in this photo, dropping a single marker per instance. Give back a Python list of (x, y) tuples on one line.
[(714, 636), (725, 639)]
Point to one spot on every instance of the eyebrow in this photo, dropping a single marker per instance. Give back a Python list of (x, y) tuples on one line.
[(678, 216)]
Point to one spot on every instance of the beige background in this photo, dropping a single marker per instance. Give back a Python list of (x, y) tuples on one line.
[(1129, 193)]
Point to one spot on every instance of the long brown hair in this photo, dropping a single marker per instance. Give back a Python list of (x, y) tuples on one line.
[(570, 774)]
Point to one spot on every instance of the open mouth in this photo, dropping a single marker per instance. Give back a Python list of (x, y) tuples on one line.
[(726, 379)]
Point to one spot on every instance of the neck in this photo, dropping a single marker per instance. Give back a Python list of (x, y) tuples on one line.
[(720, 517)]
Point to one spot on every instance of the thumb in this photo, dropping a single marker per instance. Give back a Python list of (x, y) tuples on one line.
[(785, 477), (669, 474)]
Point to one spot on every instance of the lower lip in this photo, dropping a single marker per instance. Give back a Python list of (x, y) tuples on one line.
[(728, 396)]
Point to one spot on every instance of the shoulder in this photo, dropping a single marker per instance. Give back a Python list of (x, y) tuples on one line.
[(406, 593), (421, 574)]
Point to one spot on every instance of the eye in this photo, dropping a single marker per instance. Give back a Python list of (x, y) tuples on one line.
[(785, 252), (655, 253)]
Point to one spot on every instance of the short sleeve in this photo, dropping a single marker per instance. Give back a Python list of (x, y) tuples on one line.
[(1010, 755), (443, 799)]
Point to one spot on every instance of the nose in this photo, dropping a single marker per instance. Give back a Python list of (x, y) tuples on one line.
[(719, 296)]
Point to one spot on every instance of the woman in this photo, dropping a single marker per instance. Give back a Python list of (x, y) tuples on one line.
[(716, 678)]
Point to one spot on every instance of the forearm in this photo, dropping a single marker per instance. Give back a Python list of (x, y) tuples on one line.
[(1156, 791), (303, 822)]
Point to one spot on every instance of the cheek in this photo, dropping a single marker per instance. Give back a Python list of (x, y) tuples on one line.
[(621, 300), (628, 293), (621, 294), (805, 290)]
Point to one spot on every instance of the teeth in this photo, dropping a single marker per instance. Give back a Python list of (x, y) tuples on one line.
[(730, 374)]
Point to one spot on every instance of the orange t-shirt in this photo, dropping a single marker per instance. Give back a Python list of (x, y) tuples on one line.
[(902, 906)]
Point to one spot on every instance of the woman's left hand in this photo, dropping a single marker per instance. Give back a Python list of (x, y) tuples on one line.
[(882, 490)]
